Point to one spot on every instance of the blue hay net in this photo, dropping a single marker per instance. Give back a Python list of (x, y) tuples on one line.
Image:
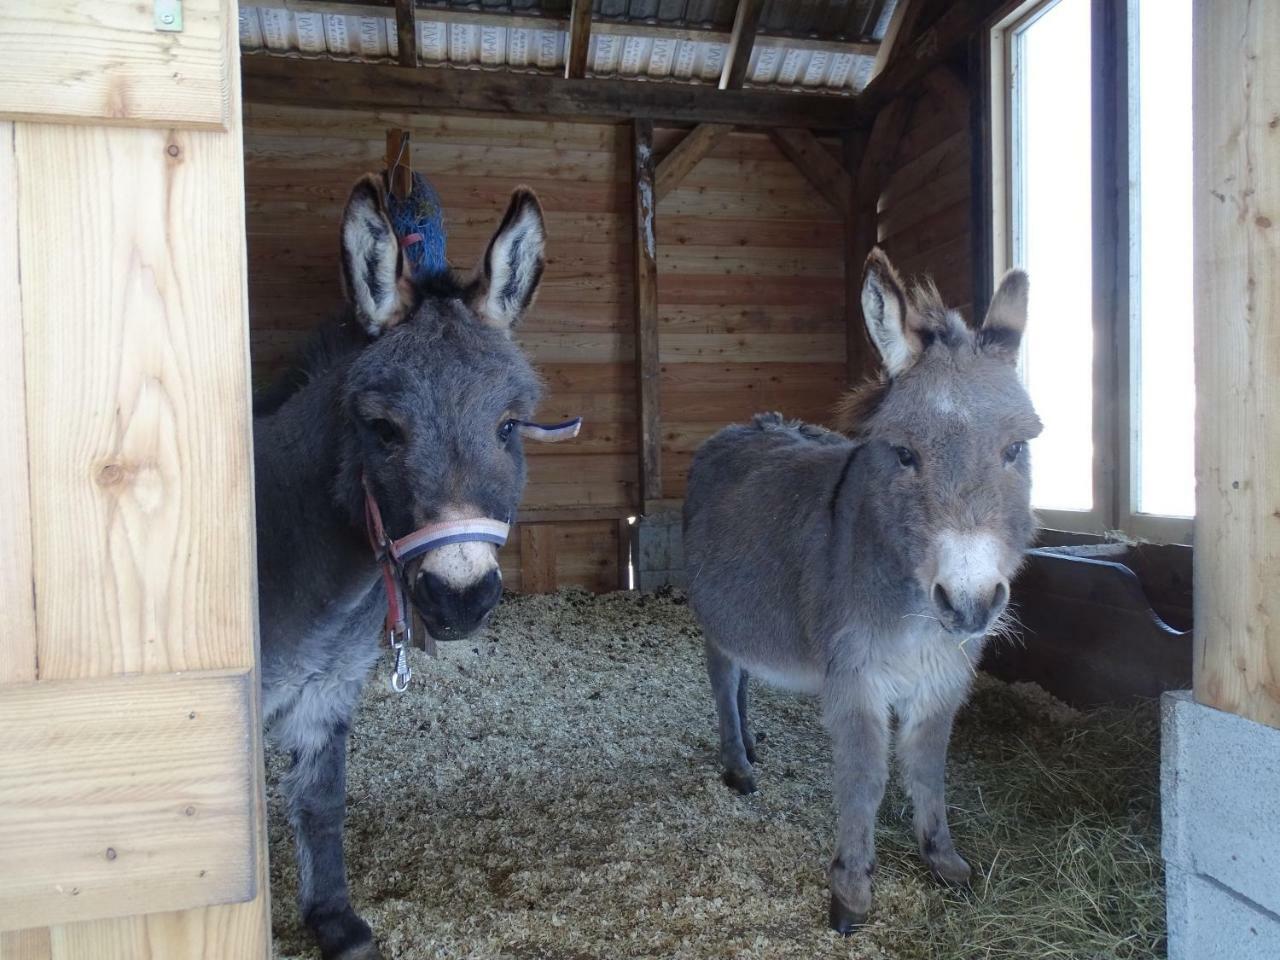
[(420, 216)]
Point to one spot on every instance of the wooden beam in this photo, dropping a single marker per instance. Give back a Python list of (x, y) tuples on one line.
[(406, 33), (575, 63), (646, 306), (873, 163), (697, 143), (1237, 359), (599, 25), (445, 90), (817, 164), (537, 558), (741, 42), (925, 51)]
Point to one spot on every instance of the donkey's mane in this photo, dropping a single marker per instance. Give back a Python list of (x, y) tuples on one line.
[(934, 322)]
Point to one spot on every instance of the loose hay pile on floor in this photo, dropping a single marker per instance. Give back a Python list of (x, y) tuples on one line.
[(551, 790)]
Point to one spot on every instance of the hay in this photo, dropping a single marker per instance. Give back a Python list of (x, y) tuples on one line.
[(551, 790)]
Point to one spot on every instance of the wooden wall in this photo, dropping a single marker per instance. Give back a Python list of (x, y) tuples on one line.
[(750, 293), (925, 207)]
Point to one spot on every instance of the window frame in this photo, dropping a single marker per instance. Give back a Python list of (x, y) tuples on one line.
[(1116, 254)]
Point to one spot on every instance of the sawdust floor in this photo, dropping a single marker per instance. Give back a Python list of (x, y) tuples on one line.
[(551, 790)]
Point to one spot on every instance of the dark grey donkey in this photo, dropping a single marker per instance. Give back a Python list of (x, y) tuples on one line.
[(415, 391), (869, 571)]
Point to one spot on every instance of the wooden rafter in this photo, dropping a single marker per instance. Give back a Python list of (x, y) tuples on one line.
[(406, 33), (575, 63), (923, 52), (817, 164), (901, 27), (741, 43), (646, 312), (697, 143), (379, 86)]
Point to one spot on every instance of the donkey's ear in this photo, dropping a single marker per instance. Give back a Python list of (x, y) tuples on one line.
[(885, 308), (1006, 319), (508, 276), (372, 264)]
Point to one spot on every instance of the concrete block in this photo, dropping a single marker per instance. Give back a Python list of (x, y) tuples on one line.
[(1208, 922), (1220, 790)]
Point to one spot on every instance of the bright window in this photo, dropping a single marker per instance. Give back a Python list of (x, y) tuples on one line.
[(1163, 367), (1052, 240), (1091, 194)]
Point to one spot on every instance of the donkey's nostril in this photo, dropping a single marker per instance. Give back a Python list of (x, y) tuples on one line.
[(942, 600), (1000, 597)]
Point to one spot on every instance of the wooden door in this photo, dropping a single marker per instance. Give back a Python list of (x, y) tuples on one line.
[(131, 800)]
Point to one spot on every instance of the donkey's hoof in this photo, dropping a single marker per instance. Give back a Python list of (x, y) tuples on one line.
[(743, 783), (843, 919), (751, 752), (951, 870), (342, 935)]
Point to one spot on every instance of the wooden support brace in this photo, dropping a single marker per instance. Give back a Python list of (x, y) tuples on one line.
[(575, 62), (817, 164), (697, 143), (741, 42), (406, 33), (646, 312)]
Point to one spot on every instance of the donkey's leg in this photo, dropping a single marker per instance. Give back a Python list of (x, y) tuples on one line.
[(316, 791), (725, 686), (922, 753), (744, 726), (860, 744)]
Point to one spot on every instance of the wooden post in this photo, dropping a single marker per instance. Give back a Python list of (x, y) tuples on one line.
[(575, 63), (646, 302), (406, 33), (861, 227), (1237, 304)]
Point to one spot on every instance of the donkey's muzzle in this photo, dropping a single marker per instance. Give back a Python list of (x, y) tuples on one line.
[(452, 613), (969, 614)]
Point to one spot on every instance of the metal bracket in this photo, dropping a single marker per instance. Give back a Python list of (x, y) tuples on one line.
[(168, 16)]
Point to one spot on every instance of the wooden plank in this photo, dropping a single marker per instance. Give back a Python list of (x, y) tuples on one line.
[(17, 587), (741, 42), (697, 143), (406, 33), (107, 63), (817, 164), (646, 301), (1237, 353), (537, 558), (381, 86), (139, 420), (575, 61), (123, 792)]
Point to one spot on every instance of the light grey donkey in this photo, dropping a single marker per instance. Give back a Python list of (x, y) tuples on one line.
[(411, 397), (870, 570)]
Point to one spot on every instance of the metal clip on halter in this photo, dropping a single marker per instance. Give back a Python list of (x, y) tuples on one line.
[(401, 673)]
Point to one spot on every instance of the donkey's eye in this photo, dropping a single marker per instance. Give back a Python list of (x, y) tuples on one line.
[(906, 456), (387, 432), (1014, 450), (505, 429)]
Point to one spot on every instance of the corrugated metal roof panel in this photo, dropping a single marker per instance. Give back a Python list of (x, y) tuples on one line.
[(364, 35)]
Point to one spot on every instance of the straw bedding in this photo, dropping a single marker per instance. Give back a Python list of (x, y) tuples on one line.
[(551, 790)]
